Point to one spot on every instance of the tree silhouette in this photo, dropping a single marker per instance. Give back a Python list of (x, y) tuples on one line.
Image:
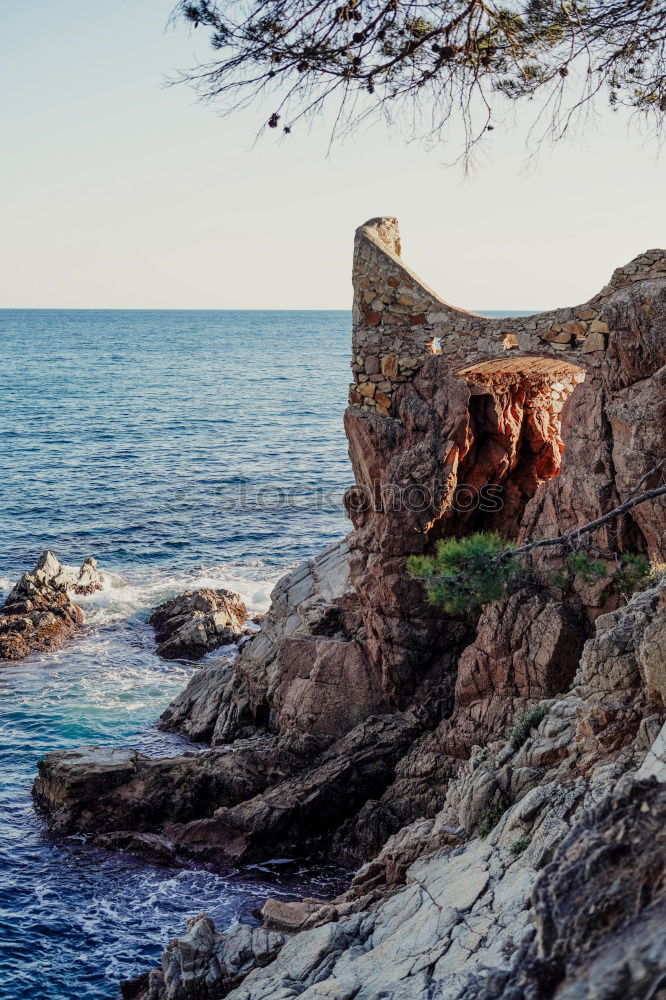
[(438, 62)]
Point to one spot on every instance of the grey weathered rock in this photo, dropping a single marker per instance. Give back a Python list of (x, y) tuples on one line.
[(198, 622), (205, 964), (219, 706), (196, 710), (39, 614)]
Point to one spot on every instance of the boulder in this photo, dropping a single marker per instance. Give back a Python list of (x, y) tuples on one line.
[(102, 790), (39, 615), (225, 805), (202, 954), (193, 624)]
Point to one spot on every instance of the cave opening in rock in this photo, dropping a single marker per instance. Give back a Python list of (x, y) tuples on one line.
[(516, 444)]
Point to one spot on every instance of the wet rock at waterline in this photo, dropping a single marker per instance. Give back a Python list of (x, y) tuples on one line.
[(39, 613), (222, 959), (196, 623)]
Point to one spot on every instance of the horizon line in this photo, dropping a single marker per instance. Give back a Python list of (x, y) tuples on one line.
[(523, 312)]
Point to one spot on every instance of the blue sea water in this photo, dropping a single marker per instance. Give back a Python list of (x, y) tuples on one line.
[(180, 449)]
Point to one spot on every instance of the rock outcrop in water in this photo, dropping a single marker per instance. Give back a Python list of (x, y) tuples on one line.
[(39, 613), (497, 781), (196, 623)]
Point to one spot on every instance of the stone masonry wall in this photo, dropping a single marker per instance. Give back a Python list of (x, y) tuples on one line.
[(398, 322)]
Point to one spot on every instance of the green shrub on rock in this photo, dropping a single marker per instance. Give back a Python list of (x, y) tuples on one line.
[(468, 572), (492, 814), (520, 845), (590, 570), (635, 573), (623, 574), (526, 722)]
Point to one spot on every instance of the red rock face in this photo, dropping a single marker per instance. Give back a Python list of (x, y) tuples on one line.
[(614, 430), (326, 686), (558, 452), (530, 446), (516, 445), (426, 475), (526, 648)]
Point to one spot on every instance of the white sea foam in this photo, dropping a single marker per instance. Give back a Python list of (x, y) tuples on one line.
[(137, 594), (122, 599)]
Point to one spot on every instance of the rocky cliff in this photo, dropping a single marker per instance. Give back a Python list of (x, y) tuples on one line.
[(498, 781)]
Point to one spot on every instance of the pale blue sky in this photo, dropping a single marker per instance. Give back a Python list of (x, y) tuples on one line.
[(119, 192)]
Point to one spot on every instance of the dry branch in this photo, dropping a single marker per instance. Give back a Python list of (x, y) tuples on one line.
[(572, 536)]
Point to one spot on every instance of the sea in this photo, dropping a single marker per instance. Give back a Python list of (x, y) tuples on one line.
[(181, 449)]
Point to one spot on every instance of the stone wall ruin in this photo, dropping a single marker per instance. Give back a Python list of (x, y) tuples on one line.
[(398, 322)]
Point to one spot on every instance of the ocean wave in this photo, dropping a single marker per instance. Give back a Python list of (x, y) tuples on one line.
[(123, 599)]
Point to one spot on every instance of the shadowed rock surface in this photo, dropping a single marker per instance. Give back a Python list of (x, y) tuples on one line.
[(39, 613)]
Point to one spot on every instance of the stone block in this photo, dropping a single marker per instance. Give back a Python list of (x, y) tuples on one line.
[(595, 342), (367, 389), (371, 317), (390, 365), (597, 326), (371, 365)]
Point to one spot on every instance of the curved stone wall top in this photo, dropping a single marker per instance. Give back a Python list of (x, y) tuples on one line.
[(398, 321)]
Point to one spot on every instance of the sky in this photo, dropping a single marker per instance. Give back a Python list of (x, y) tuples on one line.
[(121, 192)]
